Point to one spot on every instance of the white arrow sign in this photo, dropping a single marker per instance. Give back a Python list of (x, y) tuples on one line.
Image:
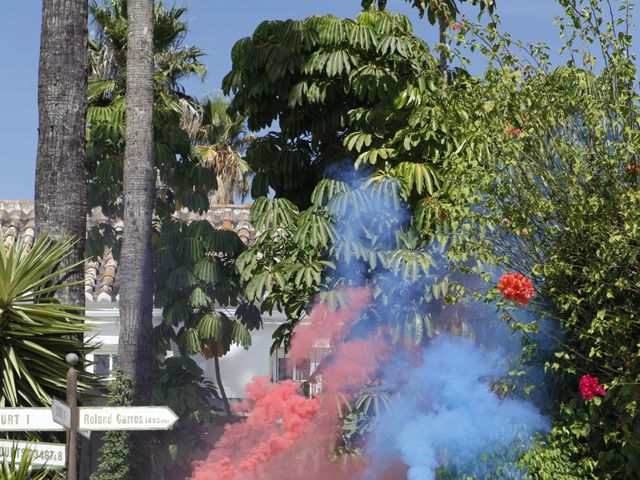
[(126, 418), (91, 419), (50, 455), (27, 420), (61, 413)]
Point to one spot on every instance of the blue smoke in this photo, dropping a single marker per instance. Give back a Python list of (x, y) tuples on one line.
[(443, 412)]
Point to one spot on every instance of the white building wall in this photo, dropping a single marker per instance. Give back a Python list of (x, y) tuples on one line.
[(237, 367)]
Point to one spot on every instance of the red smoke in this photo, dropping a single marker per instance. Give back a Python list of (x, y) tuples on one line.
[(286, 435)]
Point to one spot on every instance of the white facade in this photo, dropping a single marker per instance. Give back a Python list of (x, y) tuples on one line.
[(237, 367)]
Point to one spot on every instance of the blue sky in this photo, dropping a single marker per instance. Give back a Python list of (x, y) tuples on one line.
[(215, 25)]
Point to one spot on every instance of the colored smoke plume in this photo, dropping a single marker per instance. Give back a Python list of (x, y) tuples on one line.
[(444, 413), (286, 435)]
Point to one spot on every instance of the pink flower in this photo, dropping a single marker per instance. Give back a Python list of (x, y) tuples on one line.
[(456, 26), (589, 387), (516, 287)]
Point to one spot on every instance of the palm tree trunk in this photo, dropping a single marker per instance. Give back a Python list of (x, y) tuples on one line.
[(224, 194), (223, 394), (136, 292), (61, 180)]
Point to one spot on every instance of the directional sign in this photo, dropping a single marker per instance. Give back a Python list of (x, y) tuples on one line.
[(61, 413), (126, 418), (27, 420), (50, 455)]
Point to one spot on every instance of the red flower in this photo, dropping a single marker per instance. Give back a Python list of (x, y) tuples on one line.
[(456, 26), (513, 132), (442, 216), (516, 287), (589, 387)]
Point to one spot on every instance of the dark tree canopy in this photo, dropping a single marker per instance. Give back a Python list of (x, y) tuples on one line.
[(366, 125), (433, 8), (318, 78)]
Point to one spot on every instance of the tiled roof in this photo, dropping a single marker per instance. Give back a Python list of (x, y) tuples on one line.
[(101, 283)]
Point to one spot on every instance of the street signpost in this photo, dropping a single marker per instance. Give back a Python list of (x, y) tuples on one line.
[(126, 418), (28, 420), (61, 413), (68, 416), (51, 455), (97, 419)]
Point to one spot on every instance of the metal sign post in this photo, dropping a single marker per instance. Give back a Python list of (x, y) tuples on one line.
[(72, 431), (76, 420)]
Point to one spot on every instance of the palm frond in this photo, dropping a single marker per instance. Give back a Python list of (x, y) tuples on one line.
[(36, 330)]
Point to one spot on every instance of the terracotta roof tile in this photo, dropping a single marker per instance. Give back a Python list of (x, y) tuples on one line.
[(101, 282)]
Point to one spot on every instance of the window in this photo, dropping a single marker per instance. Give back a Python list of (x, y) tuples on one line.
[(304, 371), (102, 364)]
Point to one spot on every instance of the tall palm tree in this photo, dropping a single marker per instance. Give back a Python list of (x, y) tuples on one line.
[(136, 298), (176, 114), (61, 184), (220, 139)]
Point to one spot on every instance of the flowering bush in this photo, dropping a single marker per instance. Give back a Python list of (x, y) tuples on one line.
[(516, 287), (589, 387)]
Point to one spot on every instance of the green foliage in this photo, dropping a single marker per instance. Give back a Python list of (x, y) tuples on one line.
[(555, 459), (358, 416), (36, 330), (13, 469), (359, 95), (182, 386), (434, 8), (114, 453), (559, 200), (195, 274), (318, 78), (351, 235), (533, 169), (184, 180)]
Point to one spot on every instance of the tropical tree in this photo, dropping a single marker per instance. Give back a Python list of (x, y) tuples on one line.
[(182, 181), (330, 73), (136, 297), (444, 12), (62, 106), (197, 281), (558, 193), (37, 331), (220, 140), (350, 151)]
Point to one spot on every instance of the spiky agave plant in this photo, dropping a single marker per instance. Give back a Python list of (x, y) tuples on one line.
[(36, 330), (13, 467)]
